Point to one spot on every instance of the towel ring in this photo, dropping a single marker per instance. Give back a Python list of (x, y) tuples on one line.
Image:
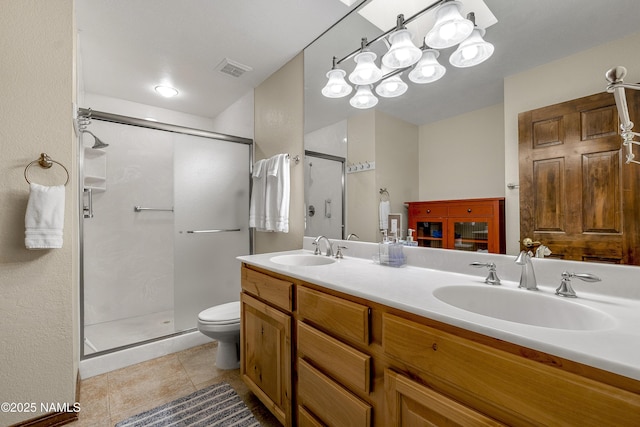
[(45, 162)]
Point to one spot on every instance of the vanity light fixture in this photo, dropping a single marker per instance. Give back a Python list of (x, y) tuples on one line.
[(428, 69), (366, 72), (363, 98), (402, 53), (615, 77), (472, 51), (450, 29), (336, 87), (391, 86), (166, 91)]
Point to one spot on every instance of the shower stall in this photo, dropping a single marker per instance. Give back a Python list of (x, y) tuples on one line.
[(164, 215)]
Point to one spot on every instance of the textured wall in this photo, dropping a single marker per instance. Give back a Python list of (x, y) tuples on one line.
[(38, 289), (279, 113)]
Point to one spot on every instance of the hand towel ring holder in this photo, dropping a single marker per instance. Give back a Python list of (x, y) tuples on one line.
[(45, 162)]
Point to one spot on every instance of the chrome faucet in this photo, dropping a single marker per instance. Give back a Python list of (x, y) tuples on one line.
[(316, 243), (352, 235), (528, 276), (492, 278), (566, 290)]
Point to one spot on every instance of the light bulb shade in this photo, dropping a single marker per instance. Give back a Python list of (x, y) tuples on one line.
[(450, 27), (472, 51), (391, 87), (366, 72), (363, 98), (402, 53), (336, 87), (428, 69)]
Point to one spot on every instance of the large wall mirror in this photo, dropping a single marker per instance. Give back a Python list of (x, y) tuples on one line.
[(456, 138)]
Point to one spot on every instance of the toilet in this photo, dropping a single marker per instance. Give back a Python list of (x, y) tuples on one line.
[(222, 323)]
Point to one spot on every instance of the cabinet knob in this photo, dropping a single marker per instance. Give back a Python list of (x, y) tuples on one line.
[(469, 210), (428, 210)]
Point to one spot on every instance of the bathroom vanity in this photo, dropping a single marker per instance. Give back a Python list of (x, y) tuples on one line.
[(352, 343)]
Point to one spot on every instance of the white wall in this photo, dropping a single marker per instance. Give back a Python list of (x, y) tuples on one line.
[(39, 335), (330, 139), (573, 77), (463, 157), (237, 119)]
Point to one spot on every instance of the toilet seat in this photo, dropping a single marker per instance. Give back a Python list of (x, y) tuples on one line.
[(224, 314)]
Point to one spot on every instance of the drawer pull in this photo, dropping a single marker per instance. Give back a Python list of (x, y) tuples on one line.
[(469, 210)]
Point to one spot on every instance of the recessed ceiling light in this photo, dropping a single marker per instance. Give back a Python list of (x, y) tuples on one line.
[(166, 91)]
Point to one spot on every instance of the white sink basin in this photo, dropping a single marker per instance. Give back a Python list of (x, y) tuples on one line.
[(526, 307), (302, 260)]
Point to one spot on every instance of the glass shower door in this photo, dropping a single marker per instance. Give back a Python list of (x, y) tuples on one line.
[(151, 258), (211, 193)]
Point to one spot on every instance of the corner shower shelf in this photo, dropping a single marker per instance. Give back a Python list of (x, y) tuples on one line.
[(95, 169)]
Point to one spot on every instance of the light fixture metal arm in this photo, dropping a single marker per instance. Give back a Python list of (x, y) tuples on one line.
[(386, 33)]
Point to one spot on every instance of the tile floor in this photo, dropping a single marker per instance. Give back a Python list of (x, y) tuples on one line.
[(112, 397)]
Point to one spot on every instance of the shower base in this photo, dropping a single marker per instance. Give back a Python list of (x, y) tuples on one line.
[(123, 332)]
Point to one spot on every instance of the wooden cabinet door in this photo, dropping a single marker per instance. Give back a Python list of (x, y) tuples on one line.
[(410, 404), (265, 356), (477, 234), (576, 193)]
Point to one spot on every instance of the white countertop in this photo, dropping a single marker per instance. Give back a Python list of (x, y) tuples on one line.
[(615, 347)]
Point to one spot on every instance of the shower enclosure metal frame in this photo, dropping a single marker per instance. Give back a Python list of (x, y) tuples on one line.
[(88, 113)]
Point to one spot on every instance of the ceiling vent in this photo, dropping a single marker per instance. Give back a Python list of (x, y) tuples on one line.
[(232, 68)]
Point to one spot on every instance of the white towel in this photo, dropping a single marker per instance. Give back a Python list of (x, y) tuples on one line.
[(385, 209), (44, 219), (278, 194), (257, 213)]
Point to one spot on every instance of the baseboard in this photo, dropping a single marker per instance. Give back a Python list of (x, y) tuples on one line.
[(54, 419)]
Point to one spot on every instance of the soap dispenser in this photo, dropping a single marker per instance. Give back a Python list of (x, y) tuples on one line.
[(410, 241)]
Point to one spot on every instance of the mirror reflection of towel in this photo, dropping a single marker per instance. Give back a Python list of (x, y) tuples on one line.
[(44, 219), (385, 209)]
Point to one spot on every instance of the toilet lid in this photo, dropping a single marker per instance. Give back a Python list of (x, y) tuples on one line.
[(222, 314)]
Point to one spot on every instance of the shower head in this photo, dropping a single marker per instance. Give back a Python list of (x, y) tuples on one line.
[(98, 143)]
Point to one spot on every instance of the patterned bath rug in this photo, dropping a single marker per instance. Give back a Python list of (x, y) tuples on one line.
[(217, 405)]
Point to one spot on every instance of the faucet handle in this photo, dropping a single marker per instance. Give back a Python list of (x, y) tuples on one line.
[(566, 290), (317, 249), (339, 251), (492, 278)]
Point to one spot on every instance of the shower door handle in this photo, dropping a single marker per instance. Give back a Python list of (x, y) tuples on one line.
[(212, 231), (87, 210)]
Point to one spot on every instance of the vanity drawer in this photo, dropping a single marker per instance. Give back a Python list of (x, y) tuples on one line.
[(342, 362), (322, 396), (471, 210), (345, 319), (305, 419), (429, 211), (507, 387), (425, 406), (275, 291)]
